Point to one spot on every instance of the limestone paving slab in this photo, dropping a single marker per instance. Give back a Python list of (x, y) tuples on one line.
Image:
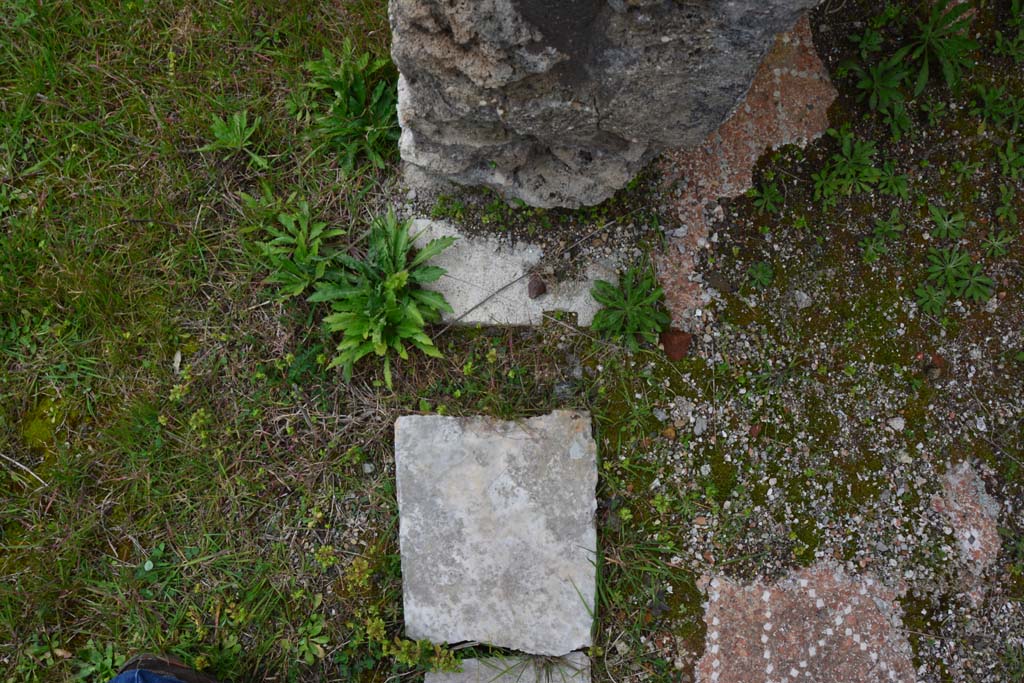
[(496, 529), (573, 668), (481, 268)]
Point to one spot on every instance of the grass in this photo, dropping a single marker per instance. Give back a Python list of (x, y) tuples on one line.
[(181, 470), (147, 376)]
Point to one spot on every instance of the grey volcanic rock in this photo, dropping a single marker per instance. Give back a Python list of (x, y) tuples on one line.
[(560, 103), (496, 528)]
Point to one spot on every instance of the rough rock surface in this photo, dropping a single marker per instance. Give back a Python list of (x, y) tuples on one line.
[(496, 529), (573, 668), (787, 104), (487, 281), (561, 103), (818, 624)]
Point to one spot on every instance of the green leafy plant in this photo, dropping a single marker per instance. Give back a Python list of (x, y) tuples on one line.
[(893, 14), (898, 120), (1014, 113), (767, 198), (974, 284), (761, 274), (885, 230), (1005, 213), (940, 44), (631, 311), (32, 663), (311, 638), (930, 299), (293, 255), (880, 83), (848, 171), (997, 244), (998, 107), (889, 228), (873, 247), (892, 183), (936, 110), (965, 170), (1011, 160), (368, 645), (378, 303), (991, 103), (234, 136), (351, 103), (97, 663), (947, 225), (1011, 44), (868, 42), (448, 207), (947, 266), (953, 270)]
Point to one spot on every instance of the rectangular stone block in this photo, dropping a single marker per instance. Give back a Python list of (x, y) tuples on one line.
[(573, 668), (496, 527), (486, 281)]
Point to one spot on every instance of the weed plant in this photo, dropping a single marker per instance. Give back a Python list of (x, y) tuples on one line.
[(632, 311)]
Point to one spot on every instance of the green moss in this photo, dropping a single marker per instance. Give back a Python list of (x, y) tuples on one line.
[(918, 622), (39, 427)]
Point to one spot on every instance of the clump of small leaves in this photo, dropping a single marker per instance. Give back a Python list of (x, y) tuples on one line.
[(947, 225), (325, 557), (885, 230), (632, 311), (767, 198), (898, 120), (98, 662), (947, 266), (940, 44), (935, 110), (874, 247), (234, 136), (880, 83), (449, 207), (1011, 160), (351, 104), (850, 170), (997, 244), (892, 183), (295, 255), (930, 299), (761, 274), (1011, 43), (953, 270), (1005, 213), (312, 637), (868, 42), (965, 170), (379, 305), (992, 104)]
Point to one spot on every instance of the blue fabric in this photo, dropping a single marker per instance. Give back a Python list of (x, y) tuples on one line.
[(142, 676)]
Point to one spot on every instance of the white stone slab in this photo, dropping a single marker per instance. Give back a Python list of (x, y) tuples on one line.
[(573, 668), (496, 528), (479, 267)]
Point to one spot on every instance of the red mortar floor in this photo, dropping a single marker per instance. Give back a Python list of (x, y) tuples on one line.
[(786, 104), (972, 514), (818, 624)]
